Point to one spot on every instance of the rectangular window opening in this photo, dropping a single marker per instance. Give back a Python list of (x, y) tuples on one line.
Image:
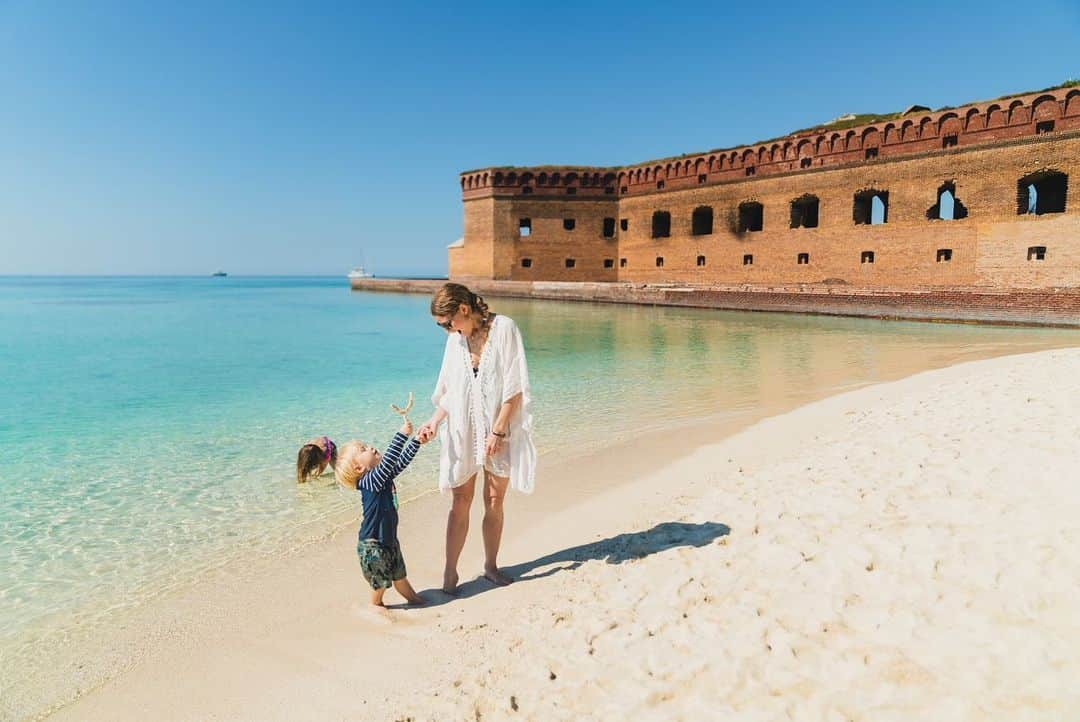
[(609, 228), (624, 224), (950, 141), (1046, 126), (570, 262), (526, 263), (804, 259), (870, 153), (609, 263), (1037, 253), (944, 255), (867, 257), (750, 170), (659, 185), (702, 178), (659, 261), (805, 162), (524, 227), (622, 263), (568, 224), (701, 260), (748, 259)]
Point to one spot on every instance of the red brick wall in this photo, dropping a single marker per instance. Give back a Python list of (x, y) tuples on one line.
[(1009, 306), (997, 144)]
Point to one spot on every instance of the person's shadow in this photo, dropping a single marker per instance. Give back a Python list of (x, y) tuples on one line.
[(613, 550)]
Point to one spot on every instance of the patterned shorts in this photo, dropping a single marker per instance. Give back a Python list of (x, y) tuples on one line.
[(382, 564)]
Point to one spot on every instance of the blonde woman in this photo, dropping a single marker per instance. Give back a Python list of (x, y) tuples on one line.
[(483, 395)]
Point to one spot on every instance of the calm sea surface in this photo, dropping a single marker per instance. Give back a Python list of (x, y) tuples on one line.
[(149, 426)]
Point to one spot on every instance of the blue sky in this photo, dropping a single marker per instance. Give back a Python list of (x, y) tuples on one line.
[(272, 137)]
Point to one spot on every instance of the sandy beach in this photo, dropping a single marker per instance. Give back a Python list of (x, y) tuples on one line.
[(909, 550)]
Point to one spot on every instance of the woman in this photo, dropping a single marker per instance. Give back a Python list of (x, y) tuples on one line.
[(483, 394)]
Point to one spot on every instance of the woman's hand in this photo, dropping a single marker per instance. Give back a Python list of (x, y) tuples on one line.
[(494, 443), (427, 431)]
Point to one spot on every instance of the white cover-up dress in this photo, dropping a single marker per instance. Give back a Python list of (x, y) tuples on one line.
[(472, 405)]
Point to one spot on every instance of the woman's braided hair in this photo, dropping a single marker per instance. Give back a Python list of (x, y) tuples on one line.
[(451, 296)]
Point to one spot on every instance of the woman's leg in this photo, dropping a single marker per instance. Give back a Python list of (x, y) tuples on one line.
[(457, 528), (494, 492)]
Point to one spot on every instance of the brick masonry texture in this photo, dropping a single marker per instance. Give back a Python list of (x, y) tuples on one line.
[(1053, 307), (977, 267)]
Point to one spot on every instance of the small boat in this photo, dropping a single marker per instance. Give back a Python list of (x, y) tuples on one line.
[(218, 274), (359, 272)]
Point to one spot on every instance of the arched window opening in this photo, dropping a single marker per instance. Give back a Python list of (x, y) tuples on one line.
[(751, 217), (661, 224), (948, 206), (702, 221), (1042, 192), (609, 228), (871, 207), (804, 212)]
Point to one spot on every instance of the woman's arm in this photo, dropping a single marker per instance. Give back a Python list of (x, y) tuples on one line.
[(499, 429), (506, 412)]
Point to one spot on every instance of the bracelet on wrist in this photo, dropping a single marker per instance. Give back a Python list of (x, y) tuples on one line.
[(496, 433)]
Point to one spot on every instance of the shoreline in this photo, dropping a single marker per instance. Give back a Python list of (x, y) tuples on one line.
[(313, 596), (1053, 307)]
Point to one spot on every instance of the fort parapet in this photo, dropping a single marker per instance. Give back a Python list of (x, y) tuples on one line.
[(975, 197)]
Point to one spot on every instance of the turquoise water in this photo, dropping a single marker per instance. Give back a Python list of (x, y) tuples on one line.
[(149, 426)]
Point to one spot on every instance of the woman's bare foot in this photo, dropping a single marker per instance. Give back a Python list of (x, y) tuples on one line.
[(493, 575), (450, 582)]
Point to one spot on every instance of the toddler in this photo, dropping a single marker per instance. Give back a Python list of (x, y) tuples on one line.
[(363, 468)]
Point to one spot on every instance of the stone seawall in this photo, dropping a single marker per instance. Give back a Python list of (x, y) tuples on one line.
[(1044, 307)]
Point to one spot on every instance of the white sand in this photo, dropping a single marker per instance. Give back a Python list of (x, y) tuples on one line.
[(908, 551)]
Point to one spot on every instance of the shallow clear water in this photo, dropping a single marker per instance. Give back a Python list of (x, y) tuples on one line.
[(149, 426)]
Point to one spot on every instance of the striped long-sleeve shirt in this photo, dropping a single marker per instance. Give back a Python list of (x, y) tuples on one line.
[(376, 489)]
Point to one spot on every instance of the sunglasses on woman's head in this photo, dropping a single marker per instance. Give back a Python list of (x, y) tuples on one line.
[(445, 325)]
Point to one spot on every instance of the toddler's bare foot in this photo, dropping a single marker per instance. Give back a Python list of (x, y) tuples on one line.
[(449, 582), (369, 612), (493, 575)]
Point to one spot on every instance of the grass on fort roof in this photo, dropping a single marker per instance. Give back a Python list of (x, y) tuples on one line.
[(855, 121)]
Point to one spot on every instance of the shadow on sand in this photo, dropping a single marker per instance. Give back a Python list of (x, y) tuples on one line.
[(613, 550)]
